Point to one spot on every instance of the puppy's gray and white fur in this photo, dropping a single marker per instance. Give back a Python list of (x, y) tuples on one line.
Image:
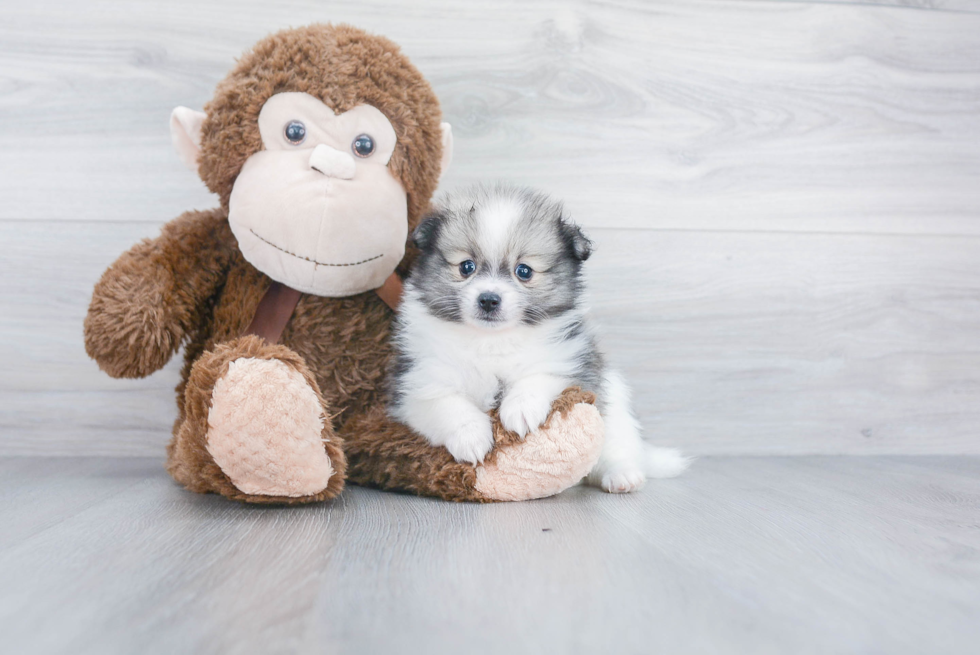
[(470, 337)]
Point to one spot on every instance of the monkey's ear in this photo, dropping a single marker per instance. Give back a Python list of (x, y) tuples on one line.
[(581, 244), (185, 132), (447, 149), (427, 231)]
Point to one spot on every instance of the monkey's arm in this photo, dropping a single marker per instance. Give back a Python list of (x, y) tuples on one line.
[(155, 294), (389, 455)]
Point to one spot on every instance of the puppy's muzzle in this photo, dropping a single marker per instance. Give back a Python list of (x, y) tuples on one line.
[(488, 302)]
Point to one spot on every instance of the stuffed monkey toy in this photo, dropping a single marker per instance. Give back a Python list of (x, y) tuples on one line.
[(324, 146)]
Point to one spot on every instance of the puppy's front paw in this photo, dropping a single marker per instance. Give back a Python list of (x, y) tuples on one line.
[(524, 411), (622, 478), (471, 441)]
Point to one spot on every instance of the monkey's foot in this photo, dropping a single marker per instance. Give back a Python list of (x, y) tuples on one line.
[(256, 428), (549, 460), (264, 430)]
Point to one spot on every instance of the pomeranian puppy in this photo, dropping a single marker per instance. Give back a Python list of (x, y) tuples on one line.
[(493, 316)]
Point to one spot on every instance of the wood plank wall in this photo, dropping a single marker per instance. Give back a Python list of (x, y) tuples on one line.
[(785, 198)]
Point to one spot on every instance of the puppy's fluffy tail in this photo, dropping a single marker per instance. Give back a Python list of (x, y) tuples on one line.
[(664, 462), (656, 462)]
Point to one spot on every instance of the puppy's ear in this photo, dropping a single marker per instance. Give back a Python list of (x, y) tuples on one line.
[(580, 244), (427, 231)]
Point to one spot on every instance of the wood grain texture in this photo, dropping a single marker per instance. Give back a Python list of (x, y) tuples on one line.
[(779, 192), (51, 393), (734, 342), (800, 116), (790, 343), (740, 555)]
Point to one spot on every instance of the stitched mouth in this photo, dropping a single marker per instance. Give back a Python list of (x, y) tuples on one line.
[(313, 261)]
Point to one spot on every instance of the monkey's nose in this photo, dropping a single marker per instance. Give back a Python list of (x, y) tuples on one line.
[(332, 162)]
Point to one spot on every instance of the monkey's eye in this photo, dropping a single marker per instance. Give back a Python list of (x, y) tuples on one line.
[(363, 145), (467, 268), (295, 132), (523, 271)]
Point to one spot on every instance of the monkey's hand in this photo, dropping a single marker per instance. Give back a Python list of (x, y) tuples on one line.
[(155, 293)]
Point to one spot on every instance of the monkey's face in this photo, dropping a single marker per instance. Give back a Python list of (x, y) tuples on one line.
[(321, 189), (317, 209)]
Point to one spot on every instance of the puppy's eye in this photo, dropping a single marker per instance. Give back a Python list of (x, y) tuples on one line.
[(467, 268), (523, 271), (295, 132), (363, 145)]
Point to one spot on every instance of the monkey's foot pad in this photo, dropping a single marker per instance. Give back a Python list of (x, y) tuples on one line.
[(549, 460), (264, 430)]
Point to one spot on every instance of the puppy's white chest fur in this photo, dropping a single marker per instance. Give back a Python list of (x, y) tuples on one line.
[(480, 364)]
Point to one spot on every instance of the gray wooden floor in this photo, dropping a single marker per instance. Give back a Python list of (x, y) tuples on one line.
[(741, 555)]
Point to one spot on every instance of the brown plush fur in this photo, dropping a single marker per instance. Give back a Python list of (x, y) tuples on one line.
[(154, 296), (191, 286)]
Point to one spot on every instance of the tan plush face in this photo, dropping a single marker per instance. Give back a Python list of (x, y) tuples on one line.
[(318, 209)]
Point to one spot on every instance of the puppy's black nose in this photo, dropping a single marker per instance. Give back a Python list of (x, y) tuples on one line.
[(488, 301)]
